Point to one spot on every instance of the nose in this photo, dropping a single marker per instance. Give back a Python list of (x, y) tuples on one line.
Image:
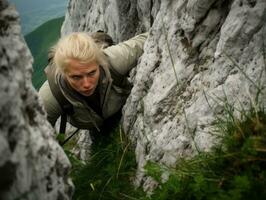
[(86, 83)]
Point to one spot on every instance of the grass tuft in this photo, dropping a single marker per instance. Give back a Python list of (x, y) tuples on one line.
[(234, 170), (109, 172)]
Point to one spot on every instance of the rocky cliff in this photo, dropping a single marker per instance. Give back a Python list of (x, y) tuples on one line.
[(199, 56), (32, 164), (121, 19)]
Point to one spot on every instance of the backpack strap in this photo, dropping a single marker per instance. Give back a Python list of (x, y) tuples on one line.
[(65, 105)]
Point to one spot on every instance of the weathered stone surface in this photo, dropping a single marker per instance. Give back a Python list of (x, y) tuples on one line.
[(121, 19), (32, 164), (195, 40), (188, 68)]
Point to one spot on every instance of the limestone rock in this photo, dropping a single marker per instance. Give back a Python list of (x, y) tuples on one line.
[(120, 18), (199, 55), (32, 164)]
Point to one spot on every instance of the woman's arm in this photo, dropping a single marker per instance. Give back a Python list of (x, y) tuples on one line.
[(124, 56)]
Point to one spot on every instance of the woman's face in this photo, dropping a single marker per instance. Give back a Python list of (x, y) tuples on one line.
[(82, 77)]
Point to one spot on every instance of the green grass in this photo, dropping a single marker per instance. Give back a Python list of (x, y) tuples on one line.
[(39, 41), (235, 170), (109, 172)]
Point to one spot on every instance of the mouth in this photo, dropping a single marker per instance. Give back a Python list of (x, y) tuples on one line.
[(87, 92)]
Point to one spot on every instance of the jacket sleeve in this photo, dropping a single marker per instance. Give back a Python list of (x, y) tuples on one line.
[(51, 106), (124, 56)]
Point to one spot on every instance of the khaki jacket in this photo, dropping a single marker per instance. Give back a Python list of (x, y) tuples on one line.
[(122, 57)]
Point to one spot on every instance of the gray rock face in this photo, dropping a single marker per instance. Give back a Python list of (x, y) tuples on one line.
[(32, 164), (120, 18), (199, 56), (186, 74)]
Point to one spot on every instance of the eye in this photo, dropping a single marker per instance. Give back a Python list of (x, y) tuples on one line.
[(76, 77), (92, 73)]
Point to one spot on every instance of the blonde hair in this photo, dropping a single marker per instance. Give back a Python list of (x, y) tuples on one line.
[(79, 46)]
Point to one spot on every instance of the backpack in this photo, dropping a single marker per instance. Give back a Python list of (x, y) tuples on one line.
[(103, 40)]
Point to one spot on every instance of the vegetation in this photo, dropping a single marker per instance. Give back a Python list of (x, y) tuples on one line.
[(39, 41), (234, 170), (109, 172)]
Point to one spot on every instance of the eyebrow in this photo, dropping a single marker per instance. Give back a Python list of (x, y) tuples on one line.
[(92, 71), (75, 75)]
